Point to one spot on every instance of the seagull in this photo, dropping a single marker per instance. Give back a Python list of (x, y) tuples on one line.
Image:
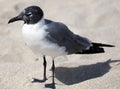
[(51, 38)]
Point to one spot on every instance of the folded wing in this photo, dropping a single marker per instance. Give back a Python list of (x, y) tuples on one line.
[(60, 34)]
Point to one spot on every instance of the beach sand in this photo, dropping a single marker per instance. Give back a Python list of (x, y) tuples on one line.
[(98, 20)]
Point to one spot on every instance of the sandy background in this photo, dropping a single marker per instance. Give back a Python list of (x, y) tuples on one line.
[(98, 20)]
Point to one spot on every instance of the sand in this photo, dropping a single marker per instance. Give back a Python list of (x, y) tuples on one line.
[(98, 20)]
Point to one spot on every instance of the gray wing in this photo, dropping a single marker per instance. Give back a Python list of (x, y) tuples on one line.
[(60, 34)]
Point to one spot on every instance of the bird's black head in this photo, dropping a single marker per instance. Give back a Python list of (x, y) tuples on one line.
[(29, 15)]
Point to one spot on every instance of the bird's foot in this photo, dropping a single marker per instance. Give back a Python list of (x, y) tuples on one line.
[(52, 85), (34, 80)]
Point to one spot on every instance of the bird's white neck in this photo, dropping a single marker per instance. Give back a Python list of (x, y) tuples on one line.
[(39, 24)]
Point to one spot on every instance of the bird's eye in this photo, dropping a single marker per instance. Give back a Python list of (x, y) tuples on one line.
[(29, 14)]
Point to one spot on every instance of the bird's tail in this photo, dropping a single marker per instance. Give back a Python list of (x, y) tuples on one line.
[(96, 48)]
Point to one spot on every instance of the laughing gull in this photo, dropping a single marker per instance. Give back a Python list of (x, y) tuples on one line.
[(52, 38)]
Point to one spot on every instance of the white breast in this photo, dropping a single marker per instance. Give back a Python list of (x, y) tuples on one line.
[(35, 38)]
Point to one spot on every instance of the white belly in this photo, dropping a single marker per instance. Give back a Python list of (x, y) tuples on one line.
[(36, 40)]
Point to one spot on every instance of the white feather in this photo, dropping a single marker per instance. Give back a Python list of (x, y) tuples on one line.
[(35, 37)]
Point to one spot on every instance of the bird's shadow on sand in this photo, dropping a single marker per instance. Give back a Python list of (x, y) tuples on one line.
[(79, 74)]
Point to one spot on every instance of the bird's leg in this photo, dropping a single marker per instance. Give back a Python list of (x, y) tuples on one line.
[(44, 74), (53, 71), (44, 64), (52, 85)]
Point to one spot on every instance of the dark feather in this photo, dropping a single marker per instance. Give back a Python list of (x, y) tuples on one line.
[(96, 48), (102, 45)]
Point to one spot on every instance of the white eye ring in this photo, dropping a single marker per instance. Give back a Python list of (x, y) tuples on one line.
[(29, 14)]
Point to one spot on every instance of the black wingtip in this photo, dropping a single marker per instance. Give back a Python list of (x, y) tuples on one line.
[(102, 45), (106, 45), (92, 50)]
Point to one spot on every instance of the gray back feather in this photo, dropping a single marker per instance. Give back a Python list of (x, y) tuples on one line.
[(60, 34)]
